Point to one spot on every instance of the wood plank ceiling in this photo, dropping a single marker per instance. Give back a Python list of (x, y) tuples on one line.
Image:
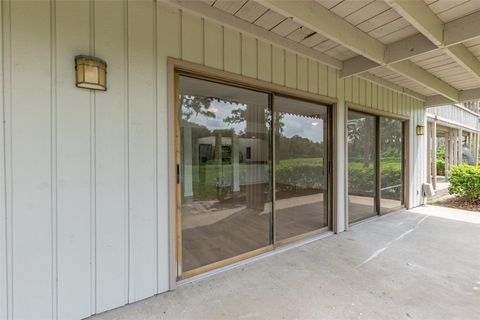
[(387, 22)]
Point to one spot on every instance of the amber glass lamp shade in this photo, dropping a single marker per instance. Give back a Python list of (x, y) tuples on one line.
[(91, 73), (420, 130)]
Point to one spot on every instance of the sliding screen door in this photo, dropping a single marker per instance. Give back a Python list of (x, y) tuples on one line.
[(300, 167), (361, 166), (391, 164), (225, 171)]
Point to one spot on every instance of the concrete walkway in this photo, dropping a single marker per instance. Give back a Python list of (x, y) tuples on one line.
[(420, 264)]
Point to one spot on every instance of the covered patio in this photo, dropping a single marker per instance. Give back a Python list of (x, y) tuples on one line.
[(145, 144), (419, 264)]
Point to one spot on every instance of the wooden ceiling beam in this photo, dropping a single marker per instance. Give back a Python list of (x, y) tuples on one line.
[(429, 24), (319, 19)]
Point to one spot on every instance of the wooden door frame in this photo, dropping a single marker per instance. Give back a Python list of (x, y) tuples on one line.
[(175, 65)]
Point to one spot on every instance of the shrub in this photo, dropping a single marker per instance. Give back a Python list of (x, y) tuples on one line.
[(465, 182), (440, 167)]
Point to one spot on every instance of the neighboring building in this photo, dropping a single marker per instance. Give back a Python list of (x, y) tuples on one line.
[(456, 129), (228, 129)]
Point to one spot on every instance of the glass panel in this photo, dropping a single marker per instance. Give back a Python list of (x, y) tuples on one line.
[(391, 168), (80, 73), (361, 166), (225, 171), (301, 167), (91, 74)]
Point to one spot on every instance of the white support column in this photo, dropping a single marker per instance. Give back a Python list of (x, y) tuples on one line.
[(457, 148), (448, 153), (429, 151), (468, 143), (341, 175), (460, 146), (446, 157), (476, 140), (474, 148), (477, 148), (434, 154), (454, 153)]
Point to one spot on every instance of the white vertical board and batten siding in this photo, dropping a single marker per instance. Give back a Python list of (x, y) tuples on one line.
[(111, 159), (85, 175), (29, 194), (73, 181), (168, 45), (142, 150), (3, 193)]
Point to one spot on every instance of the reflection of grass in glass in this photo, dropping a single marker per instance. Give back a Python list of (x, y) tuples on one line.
[(211, 179), (293, 163)]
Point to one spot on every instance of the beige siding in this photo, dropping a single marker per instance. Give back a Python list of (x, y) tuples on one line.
[(84, 175), (213, 45), (456, 115), (142, 147), (111, 160), (29, 167), (232, 50), (3, 236), (74, 175), (264, 62), (278, 65)]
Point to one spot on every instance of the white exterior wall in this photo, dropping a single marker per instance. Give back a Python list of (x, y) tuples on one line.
[(457, 115), (83, 179)]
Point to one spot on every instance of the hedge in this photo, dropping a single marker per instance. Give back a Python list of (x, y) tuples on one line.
[(465, 182)]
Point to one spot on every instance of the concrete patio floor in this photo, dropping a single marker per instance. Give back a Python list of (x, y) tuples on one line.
[(417, 264)]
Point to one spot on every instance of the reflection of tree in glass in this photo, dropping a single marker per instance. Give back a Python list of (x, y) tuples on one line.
[(291, 148), (196, 105), (390, 137), (361, 144), (239, 116), (298, 147)]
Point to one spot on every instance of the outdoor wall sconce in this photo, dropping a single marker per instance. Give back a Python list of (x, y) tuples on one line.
[(420, 130), (91, 73)]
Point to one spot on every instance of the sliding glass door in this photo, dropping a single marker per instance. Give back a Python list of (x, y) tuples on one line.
[(226, 171), (375, 165), (361, 166), (391, 164), (228, 166), (301, 166)]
